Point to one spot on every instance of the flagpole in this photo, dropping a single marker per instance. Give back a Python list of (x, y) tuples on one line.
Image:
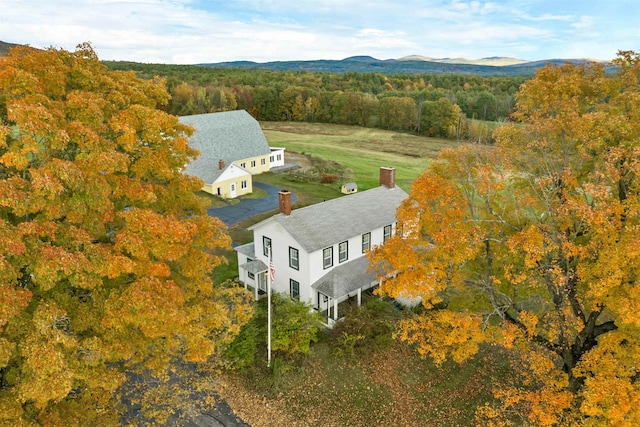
[(269, 309)]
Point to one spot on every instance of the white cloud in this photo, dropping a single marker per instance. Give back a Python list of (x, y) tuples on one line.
[(183, 31)]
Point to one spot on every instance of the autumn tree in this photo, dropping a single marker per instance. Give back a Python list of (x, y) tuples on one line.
[(534, 246), (105, 251), (398, 113), (439, 118)]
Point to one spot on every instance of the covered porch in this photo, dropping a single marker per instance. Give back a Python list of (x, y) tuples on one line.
[(253, 272), (342, 286)]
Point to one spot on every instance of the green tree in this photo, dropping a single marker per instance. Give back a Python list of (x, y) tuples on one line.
[(534, 246), (398, 113), (294, 325), (105, 253), (439, 118)]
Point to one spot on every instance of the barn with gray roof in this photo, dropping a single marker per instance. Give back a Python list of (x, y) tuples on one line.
[(232, 148)]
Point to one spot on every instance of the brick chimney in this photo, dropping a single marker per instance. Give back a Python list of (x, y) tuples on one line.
[(388, 177), (284, 202), (220, 164)]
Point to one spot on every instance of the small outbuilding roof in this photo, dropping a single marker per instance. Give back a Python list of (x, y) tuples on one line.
[(350, 186)]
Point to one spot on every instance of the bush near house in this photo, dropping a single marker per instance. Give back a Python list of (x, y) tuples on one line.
[(293, 328), (365, 329)]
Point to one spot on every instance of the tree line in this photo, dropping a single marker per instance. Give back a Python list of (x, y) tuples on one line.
[(441, 105)]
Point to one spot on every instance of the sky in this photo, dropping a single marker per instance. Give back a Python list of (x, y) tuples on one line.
[(200, 31)]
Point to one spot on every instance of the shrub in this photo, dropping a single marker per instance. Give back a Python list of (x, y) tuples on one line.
[(240, 354), (329, 179), (294, 326), (365, 329)]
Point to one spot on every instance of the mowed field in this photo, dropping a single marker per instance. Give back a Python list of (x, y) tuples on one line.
[(363, 150)]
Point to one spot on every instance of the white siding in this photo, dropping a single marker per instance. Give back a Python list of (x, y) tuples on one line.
[(233, 172), (281, 240), (277, 154), (310, 265)]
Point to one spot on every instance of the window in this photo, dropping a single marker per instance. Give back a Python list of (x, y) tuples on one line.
[(366, 242), (266, 244), (294, 288), (279, 156), (386, 233), (271, 159), (219, 191), (243, 184), (244, 165), (343, 251), (263, 161), (251, 275), (253, 163), (327, 257), (294, 261)]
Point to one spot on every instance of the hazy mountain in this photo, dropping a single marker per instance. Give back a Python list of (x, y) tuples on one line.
[(495, 66), (413, 64), (496, 61)]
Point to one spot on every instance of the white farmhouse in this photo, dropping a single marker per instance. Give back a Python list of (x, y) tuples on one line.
[(318, 251)]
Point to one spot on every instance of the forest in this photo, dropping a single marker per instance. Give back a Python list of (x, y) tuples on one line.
[(453, 106)]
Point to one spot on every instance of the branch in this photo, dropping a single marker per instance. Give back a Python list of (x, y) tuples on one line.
[(536, 338), (605, 327)]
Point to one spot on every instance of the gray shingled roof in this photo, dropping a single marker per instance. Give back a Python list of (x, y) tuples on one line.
[(228, 136), (247, 249), (345, 278), (324, 224), (351, 186), (254, 267)]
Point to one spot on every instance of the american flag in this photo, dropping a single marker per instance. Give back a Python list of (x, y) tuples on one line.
[(272, 271)]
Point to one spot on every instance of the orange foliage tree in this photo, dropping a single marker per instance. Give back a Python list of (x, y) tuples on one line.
[(106, 252), (534, 245)]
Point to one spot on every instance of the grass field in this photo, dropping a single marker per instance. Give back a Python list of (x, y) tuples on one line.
[(363, 150)]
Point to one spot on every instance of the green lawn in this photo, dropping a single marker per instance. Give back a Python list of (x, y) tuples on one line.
[(363, 150)]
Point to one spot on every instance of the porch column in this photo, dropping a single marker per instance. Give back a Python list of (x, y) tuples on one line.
[(335, 309), (255, 287), (359, 297)]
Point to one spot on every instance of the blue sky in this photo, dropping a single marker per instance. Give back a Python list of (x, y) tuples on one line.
[(197, 31)]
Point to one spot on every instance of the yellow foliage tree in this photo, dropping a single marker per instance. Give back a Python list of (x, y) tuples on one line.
[(534, 245), (105, 251)]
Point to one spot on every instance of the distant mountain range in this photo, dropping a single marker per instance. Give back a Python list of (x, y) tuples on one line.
[(414, 64), (494, 66)]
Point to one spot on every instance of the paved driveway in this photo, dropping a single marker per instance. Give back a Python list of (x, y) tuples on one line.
[(247, 208)]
